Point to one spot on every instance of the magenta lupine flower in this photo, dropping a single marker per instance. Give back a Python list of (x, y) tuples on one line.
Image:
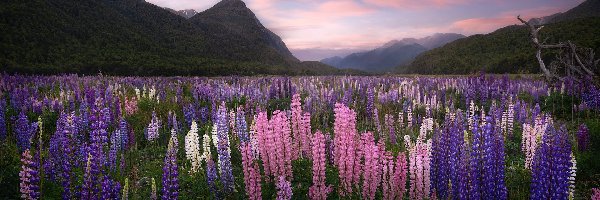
[(30, 179), (296, 118), (345, 148), (318, 191), (372, 167), (251, 170), (284, 189), (595, 194)]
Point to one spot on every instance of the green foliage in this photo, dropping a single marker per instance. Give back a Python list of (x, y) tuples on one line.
[(506, 50)]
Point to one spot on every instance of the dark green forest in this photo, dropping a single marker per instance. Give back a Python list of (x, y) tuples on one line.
[(131, 37), (506, 50)]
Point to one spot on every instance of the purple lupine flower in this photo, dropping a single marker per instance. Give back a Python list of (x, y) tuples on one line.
[(29, 176), (170, 183), (223, 149), (124, 134), (24, 131), (189, 113), (241, 127), (551, 166), (115, 145), (284, 189), (583, 138), (211, 177), (110, 189)]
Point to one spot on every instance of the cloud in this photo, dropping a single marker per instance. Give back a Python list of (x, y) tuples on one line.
[(489, 24), (414, 4)]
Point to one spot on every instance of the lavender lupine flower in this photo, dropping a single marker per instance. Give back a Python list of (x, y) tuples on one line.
[(241, 127), (493, 163), (223, 149), (370, 102), (152, 130), (170, 183), (29, 175), (61, 149), (583, 138), (284, 189), (211, 177)]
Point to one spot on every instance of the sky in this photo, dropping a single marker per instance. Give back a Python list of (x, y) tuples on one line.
[(332, 26)]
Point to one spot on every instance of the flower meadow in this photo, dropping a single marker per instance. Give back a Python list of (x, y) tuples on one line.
[(329, 137)]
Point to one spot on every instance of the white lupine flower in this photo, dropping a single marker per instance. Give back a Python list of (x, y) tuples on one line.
[(206, 153), (573, 173), (215, 137), (192, 147)]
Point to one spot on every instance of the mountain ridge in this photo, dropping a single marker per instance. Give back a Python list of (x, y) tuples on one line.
[(391, 54)]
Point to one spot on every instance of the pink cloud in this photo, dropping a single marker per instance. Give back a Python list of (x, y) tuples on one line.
[(414, 4), (486, 25)]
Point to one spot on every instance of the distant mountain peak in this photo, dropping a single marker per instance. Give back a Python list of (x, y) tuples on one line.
[(589, 8), (187, 13)]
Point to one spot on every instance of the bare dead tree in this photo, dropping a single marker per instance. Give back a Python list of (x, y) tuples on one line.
[(571, 61)]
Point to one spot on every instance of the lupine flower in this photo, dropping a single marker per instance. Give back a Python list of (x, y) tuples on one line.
[(153, 195), (583, 138), (211, 177), (124, 132), (192, 147), (125, 194), (110, 189), (345, 148), (241, 127), (115, 145), (29, 176), (389, 121), (551, 167), (419, 161), (170, 183), (189, 113), (251, 170), (318, 191), (224, 150), (572, 173), (595, 194), (24, 131), (372, 167), (152, 130), (284, 189), (297, 128), (131, 105)]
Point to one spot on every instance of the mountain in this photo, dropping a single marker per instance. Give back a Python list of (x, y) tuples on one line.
[(231, 24), (187, 13), (332, 61), (508, 50), (391, 54), (589, 8), (316, 54), (133, 37)]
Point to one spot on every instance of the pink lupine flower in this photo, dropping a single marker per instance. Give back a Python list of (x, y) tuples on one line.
[(345, 148), (596, 194), (251, 173), (131, 106), (419, 162), (394, 176), (318, 191), (372, 167), (274, 138)]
